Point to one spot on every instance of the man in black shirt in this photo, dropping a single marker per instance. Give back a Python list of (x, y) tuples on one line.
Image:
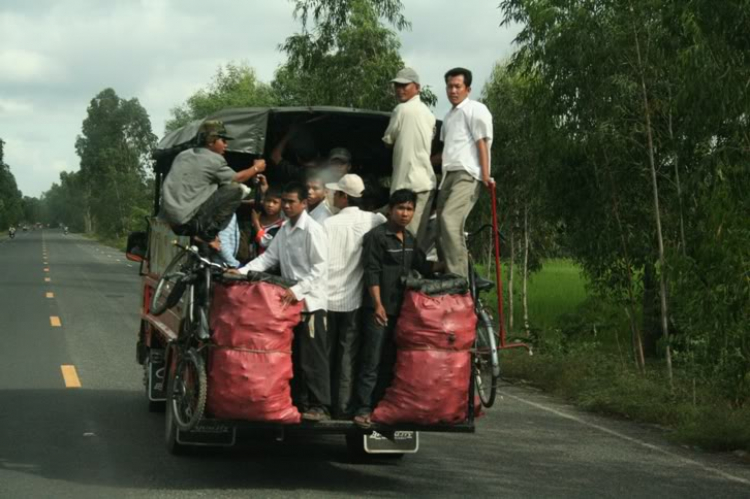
[(389, 253)]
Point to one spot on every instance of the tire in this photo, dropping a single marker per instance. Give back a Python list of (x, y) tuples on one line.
[(173, 275), (186, 397), (486, 361)]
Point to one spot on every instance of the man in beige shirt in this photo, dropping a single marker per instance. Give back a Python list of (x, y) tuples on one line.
[(410, 133)]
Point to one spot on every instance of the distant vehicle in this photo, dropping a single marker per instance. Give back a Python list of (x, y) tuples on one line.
[(12, 232), (65, 230)]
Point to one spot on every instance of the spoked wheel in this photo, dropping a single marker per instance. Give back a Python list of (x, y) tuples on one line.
[(186, 398), (172, 281), (486, 361)]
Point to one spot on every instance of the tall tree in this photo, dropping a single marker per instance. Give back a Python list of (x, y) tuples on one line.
[(11, 210), (344, 55), (115, 147)]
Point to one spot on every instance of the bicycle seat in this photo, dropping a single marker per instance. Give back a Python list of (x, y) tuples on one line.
[(483, 284)]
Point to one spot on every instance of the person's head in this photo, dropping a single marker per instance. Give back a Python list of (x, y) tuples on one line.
[(347, 191), (316, 189), (401, 207), (272, 202), (213, 135), (406, 84), (294, 200), (457, 85), (339, 162)]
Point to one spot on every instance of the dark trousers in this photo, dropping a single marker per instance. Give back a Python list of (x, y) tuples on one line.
[(312, 376), (214, 215), (343, 346), (377, 357)]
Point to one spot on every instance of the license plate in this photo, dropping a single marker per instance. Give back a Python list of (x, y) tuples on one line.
[(209, 435), (397, 442)]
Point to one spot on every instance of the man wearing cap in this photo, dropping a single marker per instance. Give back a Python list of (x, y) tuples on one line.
[(345, 231), (201, 192), (410, 133)]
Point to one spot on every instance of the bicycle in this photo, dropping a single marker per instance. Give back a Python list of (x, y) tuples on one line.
[(191, 274), (486, 360)]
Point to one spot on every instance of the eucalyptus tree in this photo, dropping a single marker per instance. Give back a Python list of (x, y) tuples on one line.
[(115, 147)]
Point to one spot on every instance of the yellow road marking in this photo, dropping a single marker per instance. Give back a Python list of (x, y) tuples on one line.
[(55, 321), (47, 279), (46, 269), (50, 295), (70, 376)]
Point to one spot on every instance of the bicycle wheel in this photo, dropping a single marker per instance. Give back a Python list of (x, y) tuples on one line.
[(486, 361), (188, 390), (172, 279)]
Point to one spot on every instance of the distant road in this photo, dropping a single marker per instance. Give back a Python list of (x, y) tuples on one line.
[(74, 420)]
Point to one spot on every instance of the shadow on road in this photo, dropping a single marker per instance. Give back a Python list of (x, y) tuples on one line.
[(108, 438)]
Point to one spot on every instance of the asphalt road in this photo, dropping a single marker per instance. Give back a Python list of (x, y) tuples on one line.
[(69, 315)]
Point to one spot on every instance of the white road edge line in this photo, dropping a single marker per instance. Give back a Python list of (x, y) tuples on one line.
[(619, 435)]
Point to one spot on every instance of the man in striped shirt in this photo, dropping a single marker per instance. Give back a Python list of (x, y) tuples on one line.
[(345, 231)]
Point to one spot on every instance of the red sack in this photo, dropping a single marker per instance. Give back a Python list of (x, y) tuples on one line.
[(433, 363), (447, 322), (250, 367)]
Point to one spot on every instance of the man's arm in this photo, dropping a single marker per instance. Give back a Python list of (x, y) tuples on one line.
[(269, 259), (391, 133), (259, 166), (484, 161), (372, 255)]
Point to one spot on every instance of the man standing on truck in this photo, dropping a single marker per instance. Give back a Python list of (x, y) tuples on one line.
[(300, 249), (345, 231), (410, 133), (467, 139), (201, 192)]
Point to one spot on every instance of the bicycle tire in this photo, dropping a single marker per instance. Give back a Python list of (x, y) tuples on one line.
[(486, 360), (188, 390), (171, 274)]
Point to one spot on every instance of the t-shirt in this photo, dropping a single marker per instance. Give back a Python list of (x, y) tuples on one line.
[(410, 132), (195, 175)]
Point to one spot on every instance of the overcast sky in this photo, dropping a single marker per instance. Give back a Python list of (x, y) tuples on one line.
[(55, 56)]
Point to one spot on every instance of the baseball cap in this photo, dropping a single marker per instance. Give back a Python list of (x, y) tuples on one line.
[(350, 184), (213, 128), (406, 75), (340, 154)]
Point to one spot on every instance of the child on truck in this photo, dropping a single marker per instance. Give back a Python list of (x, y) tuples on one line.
[(266, 223)]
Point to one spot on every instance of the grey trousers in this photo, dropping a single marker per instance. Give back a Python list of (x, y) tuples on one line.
[(418, 225), (456, 198)]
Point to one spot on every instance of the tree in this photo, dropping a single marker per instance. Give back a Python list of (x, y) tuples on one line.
[(115, 147), (11, 211), (347, 58), (235, 85)]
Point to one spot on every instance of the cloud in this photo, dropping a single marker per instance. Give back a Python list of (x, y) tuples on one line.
[(56, 56)]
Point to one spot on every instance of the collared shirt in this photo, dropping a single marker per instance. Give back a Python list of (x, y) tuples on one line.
[(386, 260), (195, 175), (321, 212), (346, 231), (230, 243), (463, 126), (410, 132), (301, 250)]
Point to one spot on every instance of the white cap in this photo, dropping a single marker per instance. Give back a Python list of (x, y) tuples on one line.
[(350, 184)]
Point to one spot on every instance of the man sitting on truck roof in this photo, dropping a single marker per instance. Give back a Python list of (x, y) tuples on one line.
[(201, 192)]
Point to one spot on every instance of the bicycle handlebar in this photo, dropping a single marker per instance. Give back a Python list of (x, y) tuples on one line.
[(192, 249)]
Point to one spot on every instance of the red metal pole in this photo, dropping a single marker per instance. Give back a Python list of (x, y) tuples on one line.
[(499, 275)]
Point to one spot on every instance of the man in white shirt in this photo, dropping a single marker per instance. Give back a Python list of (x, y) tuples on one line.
[(467, 139), (410, 133), (345, 231), (300, 248)]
